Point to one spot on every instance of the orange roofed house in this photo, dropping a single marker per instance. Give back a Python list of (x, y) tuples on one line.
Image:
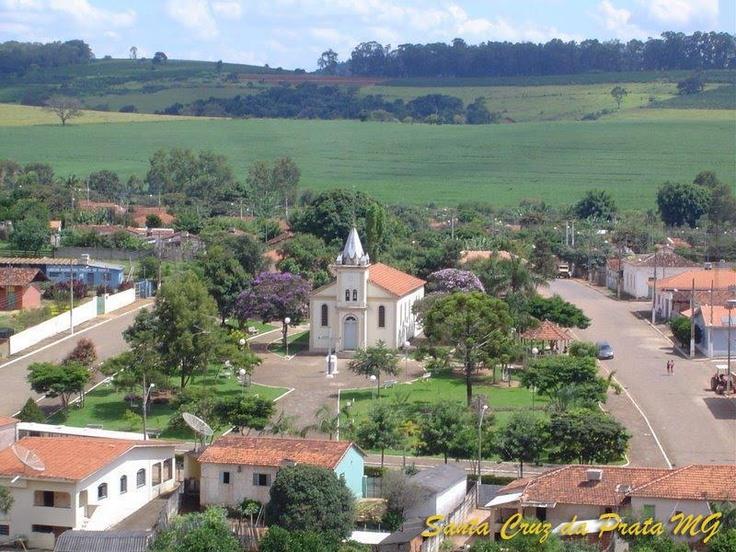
[(588, 492), (235, 467), (80, 483), (367, 302), (19, 288)]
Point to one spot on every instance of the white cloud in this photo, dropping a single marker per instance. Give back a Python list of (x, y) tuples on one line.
[(681, 12), (21, 5), (228, 8), (87, 15), (195, 15), (619, 21)]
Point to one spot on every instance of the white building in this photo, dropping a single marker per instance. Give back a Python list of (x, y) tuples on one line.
[(366, 303), (639, 271), (80, 483), (441, 490)]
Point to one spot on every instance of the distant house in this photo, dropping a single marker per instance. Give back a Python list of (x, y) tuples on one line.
[(587, 492), (235, 467), (55, 230), (613, 273), (81, 483), (639, 271), (58, 269), (19, 288), (141, 213), (713, 323), (472, 255), (113, 208), (443, 489), (712, 286)]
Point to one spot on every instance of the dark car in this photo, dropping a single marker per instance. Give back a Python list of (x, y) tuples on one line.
[(605, 351), (5, 333)]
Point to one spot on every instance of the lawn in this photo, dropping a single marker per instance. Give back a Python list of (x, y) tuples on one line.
[(106, 407), (298, 342), (418, 164)]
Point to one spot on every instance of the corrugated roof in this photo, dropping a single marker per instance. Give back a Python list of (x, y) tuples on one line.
[(19, 276), (103, 541), (273, 451), (392, 280), (70, 458), (439, 478)]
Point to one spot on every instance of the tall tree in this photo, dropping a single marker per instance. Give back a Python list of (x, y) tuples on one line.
[(587, 436), (64, 108), (523, 439), (681, 204), (62, 380), (224, 277), (380, 430), (285, 179), (618, 93), (327, 62), (598, 204), (476, 325), (374, 361), (375, 228), (442, 427), (245, 412)]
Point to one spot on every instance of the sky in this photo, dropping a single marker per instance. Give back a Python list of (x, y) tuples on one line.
[(293, 33)]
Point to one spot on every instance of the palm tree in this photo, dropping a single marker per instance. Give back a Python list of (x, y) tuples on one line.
[(374, 361), (327, 421)]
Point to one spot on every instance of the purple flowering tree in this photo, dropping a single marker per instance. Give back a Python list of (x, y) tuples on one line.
[(449, 280), (275, 296)]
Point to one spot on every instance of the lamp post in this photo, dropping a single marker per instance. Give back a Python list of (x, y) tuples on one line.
[(146, 394), (242, 373), (730, 304), (287, 321), (480, 441)]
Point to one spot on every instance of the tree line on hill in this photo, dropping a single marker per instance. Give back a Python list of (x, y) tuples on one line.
[(310, 101), (673, 50), (18, 57)]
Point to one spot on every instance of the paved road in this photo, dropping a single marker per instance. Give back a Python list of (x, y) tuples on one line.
[(105, 332), (692, 423)]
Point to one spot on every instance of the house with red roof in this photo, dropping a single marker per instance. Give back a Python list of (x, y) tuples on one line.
[(366, 303), (75, 482), (19, 288), (236, 467)]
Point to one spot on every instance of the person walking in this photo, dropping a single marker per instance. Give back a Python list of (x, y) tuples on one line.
[(672, 367), (668, 367)]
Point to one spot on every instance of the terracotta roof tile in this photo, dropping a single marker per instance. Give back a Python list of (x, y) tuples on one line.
[(664, 258), (694, 482), (70, 458), (713, 316), (140, 214), (20, 276), (479, 255), (393, 280), (7, 420), (271, 451), (570, 485), (720, 278), (547, 331)]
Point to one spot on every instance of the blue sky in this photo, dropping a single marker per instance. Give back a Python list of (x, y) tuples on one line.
[(292, 33)]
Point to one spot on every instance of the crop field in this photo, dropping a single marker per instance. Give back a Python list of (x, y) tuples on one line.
[(417, 163), (20, 115)]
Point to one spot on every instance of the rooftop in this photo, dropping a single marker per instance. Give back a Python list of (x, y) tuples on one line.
[(713, 316), (392, 280), (439, 478), (664, 258), (693, 482), (78, 431), (547, 331), (273, 452), (7, 420), (54, 261), (718, 278), (20, 276), (353, 253), (69, 458), (103, 541)]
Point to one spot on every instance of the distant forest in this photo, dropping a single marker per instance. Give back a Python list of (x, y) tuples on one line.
[(501, 59), (18, 57)]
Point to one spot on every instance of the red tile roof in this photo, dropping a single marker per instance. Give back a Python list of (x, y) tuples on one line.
[(547, 331), (272, 451), (20, 276), (713, 316), (664, 258), (570, 485), (140, 214), (7, 420), (392, 280), (720, 278), (694, 482), (70, 458)]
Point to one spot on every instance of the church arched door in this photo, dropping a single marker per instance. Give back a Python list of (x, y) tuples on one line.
[(350, 333)]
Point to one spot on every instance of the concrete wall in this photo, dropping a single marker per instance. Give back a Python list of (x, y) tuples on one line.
[(443, 502), (214, 491), (83, 313), (664, 509)]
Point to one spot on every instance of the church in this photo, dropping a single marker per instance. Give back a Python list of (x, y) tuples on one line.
[(367, 302)]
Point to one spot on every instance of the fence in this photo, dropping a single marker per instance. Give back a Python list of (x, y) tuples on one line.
[(61, 323)]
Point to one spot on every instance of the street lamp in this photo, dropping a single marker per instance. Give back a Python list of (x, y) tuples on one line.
[(287, 321), (242, 373), (480, 430), (242, 342), (146, 394), (730, 304)]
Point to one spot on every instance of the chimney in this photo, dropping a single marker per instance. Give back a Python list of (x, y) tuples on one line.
[(594, 474)]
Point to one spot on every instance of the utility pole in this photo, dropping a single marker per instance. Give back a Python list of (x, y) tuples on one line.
[(692, 320), (71, 296), (654, 289)]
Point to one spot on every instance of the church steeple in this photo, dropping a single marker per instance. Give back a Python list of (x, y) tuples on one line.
[(353, 253)]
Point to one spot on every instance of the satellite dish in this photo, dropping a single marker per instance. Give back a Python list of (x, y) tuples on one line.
[(197, 424), (28, 457)]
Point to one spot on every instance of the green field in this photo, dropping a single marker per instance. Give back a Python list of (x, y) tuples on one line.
[(630, 153), (21, 115)]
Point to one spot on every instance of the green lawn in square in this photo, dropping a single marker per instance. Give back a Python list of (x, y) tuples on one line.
[(106, 407), (297, 342)]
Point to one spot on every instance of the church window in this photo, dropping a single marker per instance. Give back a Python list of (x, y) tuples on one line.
[(324, 315), (355, 295), (347, 295), (381, 316)]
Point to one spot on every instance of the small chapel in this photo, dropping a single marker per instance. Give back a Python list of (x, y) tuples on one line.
[(366, 303)]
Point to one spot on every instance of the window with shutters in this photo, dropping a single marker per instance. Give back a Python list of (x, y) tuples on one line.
[(381, 316), (325, 317)]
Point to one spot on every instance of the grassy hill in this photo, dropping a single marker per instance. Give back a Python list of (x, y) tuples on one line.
[(630, 154), (12, 115)]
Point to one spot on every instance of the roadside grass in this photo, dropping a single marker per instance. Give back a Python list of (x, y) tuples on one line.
[(417, 164), (298, 342), (108, 408)]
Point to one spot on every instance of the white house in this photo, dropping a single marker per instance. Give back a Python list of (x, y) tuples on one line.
[(713, 323), (236, 467), (366, 303), (80, 483), (441, 490), (639, 271)]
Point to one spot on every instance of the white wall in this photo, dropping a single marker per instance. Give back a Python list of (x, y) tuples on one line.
[(664, 509), (83, 313), (214, 491)]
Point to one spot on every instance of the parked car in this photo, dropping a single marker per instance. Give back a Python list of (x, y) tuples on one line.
[(5, 333), (605, 351)]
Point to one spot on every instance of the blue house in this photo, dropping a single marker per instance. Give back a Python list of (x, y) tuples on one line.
[(237, 467), (59, 269)]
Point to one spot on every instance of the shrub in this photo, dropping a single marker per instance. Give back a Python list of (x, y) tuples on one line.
[(680, 327), (84, 352), (31, 412), (582, 349), (60, 291)]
